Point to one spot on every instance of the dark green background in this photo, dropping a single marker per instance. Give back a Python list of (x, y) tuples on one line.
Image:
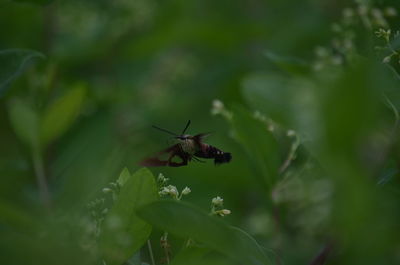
[(145, 62)]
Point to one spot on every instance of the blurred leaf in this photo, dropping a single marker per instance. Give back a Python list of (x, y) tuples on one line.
[(134, 260), (191, 255), (291, 102), (268, 93), (25, 122), (186, 221), (290, 65), (36, 2), (13, 63), (123, 177), (12, 216), (259, 143), (61, 113), (123, 233)]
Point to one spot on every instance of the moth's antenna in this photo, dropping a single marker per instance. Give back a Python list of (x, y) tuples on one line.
[(164, 130), (187, 125)]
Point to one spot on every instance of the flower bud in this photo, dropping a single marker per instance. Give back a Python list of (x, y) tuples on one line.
[(186, 191), (217, 201), (107, 190)]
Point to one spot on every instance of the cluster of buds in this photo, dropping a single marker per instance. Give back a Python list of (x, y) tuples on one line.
[(161, 180), (383, 33), (342, 48), (170, 190), (96, 208), (112, 188), (98, 212), (386, 36), (217, 207), (269, 123)]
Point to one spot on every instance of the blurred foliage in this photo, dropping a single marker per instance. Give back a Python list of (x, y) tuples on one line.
[(305, 95)]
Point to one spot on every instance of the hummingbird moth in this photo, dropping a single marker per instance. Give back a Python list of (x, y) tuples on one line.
[(188, 148)]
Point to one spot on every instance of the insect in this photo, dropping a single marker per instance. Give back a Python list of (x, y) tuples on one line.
[(188, 148)]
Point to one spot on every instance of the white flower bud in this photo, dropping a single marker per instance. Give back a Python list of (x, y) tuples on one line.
[(107, 190), (217, 104), (226, 211), (390, 12), (217, 201), (172, 190), (164, 191), (223, 212), (386, 59), (186, 191), (290, 133), (161, 177), (217, 107)]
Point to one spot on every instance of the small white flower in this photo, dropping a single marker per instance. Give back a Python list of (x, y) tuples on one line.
[(186, 191), (290, 133), (387, 59), (107, 190), (217, 104), (172, 190), (223, 212), (161, 178), (217, 201), (217, 107), (226, 211), (377, 13), (390, 12)]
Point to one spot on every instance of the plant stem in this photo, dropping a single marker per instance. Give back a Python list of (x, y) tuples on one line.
[(41, 178), (165, 246), (290, 156), (151, 252)]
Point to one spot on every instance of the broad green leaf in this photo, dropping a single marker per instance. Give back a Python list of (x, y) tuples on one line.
[(268, 93), (13, 63), (123, 233), (184, 220), (259, 144), (61, 113), (25, 122)]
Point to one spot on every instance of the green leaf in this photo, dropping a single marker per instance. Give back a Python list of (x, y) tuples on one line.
[(36, 2), (123, 177), (14, 62), (61, 113), (184, 220), (269, 93), (123, 233), (259, 144), (25, 122), (191, 255)]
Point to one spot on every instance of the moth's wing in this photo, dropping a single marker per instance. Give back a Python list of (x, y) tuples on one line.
[(201, 136), (155, 161)]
